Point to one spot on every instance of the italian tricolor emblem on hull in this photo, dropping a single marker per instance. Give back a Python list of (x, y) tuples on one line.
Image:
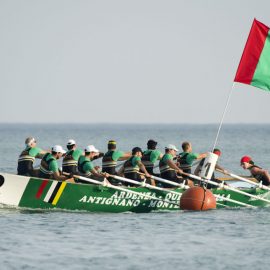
[(254, 66), (54, 193)]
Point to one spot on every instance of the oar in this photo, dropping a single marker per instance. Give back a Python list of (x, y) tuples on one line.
[(260, 185), (162, 180), (142, 184), (108, 184), (221, 185)]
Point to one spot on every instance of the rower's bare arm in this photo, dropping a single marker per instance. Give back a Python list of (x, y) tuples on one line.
[(96, 173), (143, 169), (173, 166), (201, 156), (42, 153), (126, 156), (221, 169), (58, 176), (160, 156)]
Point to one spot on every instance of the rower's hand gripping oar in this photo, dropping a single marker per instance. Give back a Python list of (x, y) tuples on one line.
[(143, 184), (259, 185)]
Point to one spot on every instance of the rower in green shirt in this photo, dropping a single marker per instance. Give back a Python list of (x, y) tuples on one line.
[(133, 165), (28, 156), (187, 157), (86, 167), (70, 161), (150, 156), (167, 167), (49, 167), (109, 160)]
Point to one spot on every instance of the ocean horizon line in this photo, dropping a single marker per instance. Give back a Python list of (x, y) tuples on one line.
[(124, 123)]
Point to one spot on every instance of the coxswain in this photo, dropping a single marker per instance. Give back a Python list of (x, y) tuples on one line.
[(49, 167), (86, 167), (109, 160), (168, 169), (187, 157), (28, 156), (150, 156), (257, 172), (217, 167), (132, 167), (70, 160)]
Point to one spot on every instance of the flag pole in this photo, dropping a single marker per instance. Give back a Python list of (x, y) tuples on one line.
[(223, 115)]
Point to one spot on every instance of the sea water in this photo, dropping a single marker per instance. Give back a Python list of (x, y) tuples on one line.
[(217, 239)]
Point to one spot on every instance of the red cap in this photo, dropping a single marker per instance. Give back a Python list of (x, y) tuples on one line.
[(217, 152), (245, 159)]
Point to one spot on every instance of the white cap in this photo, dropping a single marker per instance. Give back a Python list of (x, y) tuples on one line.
[(91, 148), (71, 142), (58, 149), (172, 147)]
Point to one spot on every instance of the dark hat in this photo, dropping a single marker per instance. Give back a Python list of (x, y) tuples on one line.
[(112, 142), (136, 149), (151, 143)]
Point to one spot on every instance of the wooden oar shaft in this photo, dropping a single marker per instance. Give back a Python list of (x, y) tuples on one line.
[(249, 181), (143, 184), (226, 187), (162, 180)]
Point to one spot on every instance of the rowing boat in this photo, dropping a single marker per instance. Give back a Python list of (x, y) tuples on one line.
[(36, 193)]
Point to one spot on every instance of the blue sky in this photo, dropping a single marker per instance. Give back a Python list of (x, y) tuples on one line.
[(127, 61)]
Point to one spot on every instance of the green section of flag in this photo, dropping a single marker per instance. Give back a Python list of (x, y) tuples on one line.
[(261, 78)]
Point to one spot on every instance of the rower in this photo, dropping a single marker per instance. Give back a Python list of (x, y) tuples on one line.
[(150, 156), (86, 167), (109, 160), (133, 165), (49, 167), (257, 172), (70, 160), (28, 156), (217, 167), (187, 157), (168, 169)]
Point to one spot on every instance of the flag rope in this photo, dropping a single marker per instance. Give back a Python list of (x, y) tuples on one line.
[(223, 116)]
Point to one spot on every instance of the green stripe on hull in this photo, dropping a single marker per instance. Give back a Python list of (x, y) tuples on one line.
[(261, 77)]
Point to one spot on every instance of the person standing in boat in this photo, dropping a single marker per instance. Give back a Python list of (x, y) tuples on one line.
[(28, 156), (257, 172), (70, 160), (49, 167), (109, 160), (168, 169), (150, 156), (217, 167), (132, 167), (86, 167), (187, 157)]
